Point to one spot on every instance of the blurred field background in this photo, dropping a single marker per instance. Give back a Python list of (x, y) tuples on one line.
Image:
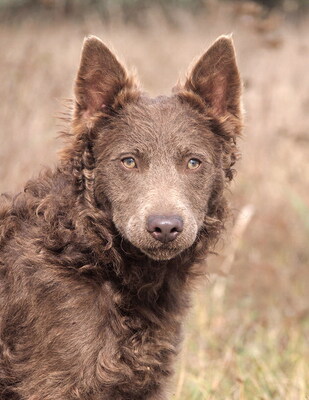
[(247, 336)]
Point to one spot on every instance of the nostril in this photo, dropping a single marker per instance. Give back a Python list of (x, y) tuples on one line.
[(164, 228)]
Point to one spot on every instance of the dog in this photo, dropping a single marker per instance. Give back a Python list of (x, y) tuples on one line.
[(99, 255)]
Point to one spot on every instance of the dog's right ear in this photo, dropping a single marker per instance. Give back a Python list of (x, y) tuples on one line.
[(215, 79), (100, 79)]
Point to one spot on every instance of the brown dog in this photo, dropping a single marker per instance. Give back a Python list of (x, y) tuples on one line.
[(97, 256)]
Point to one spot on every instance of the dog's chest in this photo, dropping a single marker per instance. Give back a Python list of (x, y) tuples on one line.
[(140, 353)]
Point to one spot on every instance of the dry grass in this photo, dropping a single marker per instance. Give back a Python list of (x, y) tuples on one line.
[(247, 337)]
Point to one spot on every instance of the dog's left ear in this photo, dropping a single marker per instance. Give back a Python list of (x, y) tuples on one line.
[(100, 79), (215, 79)]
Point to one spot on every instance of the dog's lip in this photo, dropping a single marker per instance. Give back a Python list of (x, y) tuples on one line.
[(173, 247), (156, 249), (163, 248)]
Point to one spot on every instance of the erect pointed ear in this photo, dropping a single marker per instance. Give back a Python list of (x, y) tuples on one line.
[(215, 78), (99, 79)]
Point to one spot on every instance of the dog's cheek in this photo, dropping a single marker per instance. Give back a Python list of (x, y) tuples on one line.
[(199, 190), (121, 222), (121, 210), (127, 217), (136, 233), (113, 187)]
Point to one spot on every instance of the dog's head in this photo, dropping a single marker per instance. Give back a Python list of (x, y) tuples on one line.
[(159, 164)]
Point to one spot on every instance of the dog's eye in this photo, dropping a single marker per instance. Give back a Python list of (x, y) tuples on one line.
[(129, 162), (194, 163)]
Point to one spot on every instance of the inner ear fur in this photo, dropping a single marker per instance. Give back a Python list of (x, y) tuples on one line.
[(215, 79), (100, 79)]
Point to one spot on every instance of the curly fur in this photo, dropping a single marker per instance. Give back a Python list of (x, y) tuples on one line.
[(84, 313)]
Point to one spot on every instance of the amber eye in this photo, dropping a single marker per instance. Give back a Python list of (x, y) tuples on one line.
[(194, 163), (129, 162)]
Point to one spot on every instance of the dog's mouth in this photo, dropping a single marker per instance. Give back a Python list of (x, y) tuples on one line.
[(162, 253), (159, 247)]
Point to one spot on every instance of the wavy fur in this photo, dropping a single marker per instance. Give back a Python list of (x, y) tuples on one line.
[(85, 315)]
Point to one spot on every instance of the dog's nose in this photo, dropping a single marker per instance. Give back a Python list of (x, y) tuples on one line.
[(164, 228)]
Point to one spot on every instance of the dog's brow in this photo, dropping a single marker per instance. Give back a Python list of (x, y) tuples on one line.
[(190, 150)]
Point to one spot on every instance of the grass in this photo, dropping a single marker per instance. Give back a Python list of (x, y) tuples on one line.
[(254, 358), (247, 336)]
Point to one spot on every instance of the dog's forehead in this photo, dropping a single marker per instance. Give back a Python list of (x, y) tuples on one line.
[(162, 110), (157, 126), (162, 116)]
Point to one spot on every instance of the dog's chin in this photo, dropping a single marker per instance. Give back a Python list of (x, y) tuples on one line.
[(159, 254)]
